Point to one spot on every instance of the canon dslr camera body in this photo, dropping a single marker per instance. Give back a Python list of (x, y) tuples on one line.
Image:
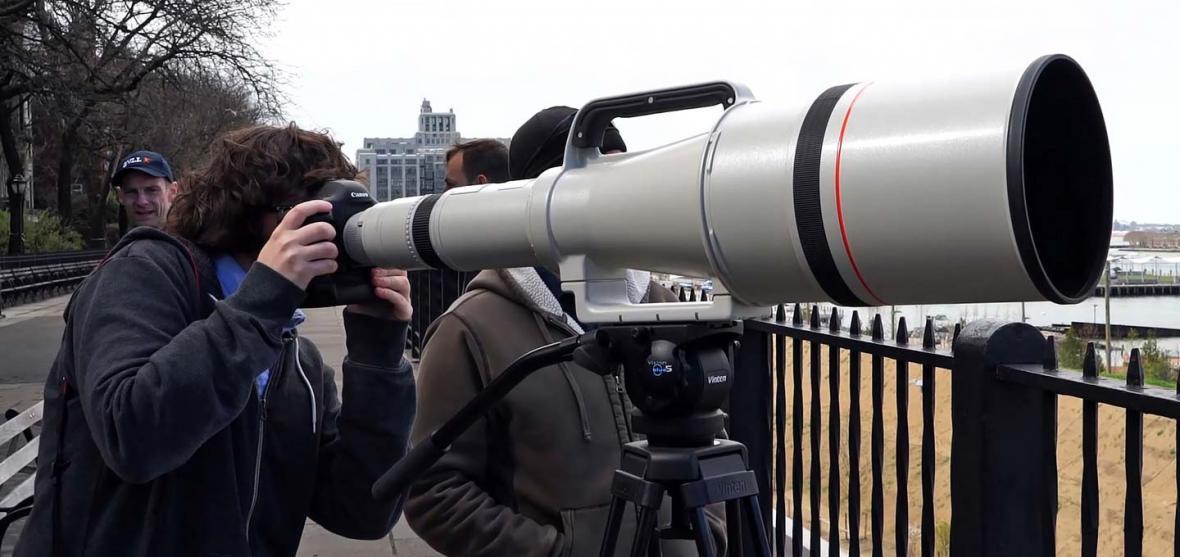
[(351, 283)]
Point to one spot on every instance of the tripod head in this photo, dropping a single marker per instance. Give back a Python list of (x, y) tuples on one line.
[(678, 375)]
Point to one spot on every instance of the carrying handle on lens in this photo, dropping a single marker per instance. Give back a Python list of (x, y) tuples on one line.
[(592, 120), (601, 293)]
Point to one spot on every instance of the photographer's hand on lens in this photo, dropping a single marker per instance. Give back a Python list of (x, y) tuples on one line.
[(392, 287), (301, 253)]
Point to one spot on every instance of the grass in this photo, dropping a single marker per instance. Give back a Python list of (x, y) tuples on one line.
[(1152, 381)]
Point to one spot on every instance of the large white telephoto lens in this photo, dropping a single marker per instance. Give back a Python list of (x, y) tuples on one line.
[(996, 188)]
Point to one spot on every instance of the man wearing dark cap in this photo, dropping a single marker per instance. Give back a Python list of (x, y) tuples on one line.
[(540, 143), (145, 187), (533, 477)]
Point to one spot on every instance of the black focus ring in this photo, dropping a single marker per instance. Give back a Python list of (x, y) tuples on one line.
[(420, 232), (809, 218)]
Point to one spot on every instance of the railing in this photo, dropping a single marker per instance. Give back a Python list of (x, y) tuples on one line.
[(799, 343), (1042, 384), (35, 259), (29, 276), (1004, 384), (432, 292)]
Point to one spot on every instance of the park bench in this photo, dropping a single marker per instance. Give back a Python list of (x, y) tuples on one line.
[(17, 469)]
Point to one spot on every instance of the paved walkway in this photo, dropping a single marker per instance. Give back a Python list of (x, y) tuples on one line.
[(326, 327), (29, 339)]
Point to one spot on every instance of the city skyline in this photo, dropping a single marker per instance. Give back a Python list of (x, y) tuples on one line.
[(411, 166)]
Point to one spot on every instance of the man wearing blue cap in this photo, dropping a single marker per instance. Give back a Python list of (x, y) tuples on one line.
[(145, 187)]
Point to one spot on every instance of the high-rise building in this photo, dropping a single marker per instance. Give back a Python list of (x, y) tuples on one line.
[(411, 166)]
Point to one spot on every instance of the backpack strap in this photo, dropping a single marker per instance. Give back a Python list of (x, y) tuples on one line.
[(192, 261), (60, 463), (58, 466)]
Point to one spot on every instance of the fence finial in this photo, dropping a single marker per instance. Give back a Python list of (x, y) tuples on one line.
[(1090, 362), (928, 334), (1050, 359), (854, 327), (834, 321), (1134, 370), (903, 334), (780, 314), (814, 317), (958, 329), (878, 328), (797, 317)]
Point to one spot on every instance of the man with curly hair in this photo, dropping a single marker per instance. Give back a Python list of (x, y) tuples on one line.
[(184, 414)]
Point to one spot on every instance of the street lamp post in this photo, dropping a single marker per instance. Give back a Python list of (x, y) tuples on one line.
[(1106, 314), (16, 211), (16, 206)]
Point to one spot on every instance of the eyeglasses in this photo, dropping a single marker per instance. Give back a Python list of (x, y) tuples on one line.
[(282, 210)]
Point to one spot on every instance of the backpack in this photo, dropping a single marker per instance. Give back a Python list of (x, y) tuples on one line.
[(59, 462)]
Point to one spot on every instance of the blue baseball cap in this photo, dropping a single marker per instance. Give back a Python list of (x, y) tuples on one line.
[(147, 162)]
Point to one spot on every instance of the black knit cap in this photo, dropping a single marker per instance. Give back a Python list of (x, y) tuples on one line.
[(539, 144)]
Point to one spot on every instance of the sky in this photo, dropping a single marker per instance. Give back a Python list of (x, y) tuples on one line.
[(360, 68)]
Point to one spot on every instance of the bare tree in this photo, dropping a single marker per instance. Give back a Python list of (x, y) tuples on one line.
[(88, 58), (178, 117)]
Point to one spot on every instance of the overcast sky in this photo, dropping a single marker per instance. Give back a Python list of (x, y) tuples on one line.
[(360, 68)]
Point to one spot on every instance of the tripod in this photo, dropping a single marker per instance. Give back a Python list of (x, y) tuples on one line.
[(694, 477), (678, 376)]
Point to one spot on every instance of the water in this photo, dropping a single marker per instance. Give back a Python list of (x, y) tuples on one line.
[(1154, 311), (1148, 311), (1162, 311)]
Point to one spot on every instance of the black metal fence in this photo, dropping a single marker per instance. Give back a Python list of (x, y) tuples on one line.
[(1004, 383), (1042, 384), (24, 278), (432, 292)]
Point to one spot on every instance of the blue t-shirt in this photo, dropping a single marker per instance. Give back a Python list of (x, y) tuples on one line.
[(230, 274)]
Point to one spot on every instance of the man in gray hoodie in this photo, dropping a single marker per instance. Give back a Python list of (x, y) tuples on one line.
[(533, 477)]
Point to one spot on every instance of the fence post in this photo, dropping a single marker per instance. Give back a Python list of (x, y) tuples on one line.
[(1003, 477), (418, 324), (750, 413)]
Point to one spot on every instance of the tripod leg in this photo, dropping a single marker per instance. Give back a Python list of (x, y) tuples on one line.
[(733, 527), (610, 538), (702, 533), (757, 527), (644, 532)]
